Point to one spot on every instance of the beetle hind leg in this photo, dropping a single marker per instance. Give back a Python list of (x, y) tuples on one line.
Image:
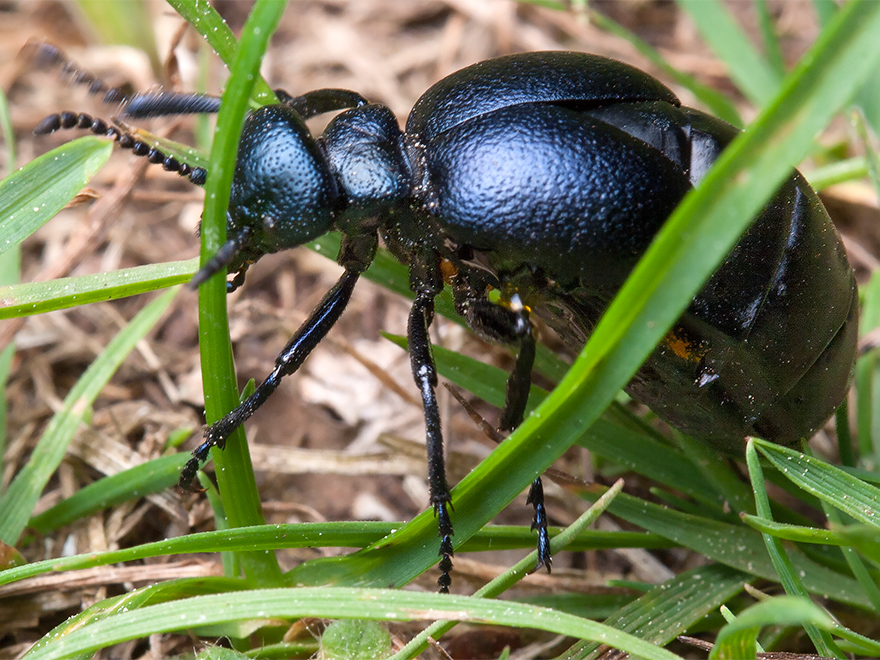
[(509, 323)]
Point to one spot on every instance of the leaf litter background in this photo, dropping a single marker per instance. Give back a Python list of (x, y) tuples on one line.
[(342, 439)]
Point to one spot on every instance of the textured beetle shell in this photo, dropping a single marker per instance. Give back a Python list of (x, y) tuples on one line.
[(541, 184), (548, 77)]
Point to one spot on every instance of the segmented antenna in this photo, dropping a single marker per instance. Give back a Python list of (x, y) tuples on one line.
[(46, 55), (126, 140), (161, 104)]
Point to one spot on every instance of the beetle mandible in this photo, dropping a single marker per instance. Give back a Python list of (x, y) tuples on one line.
[(543, 176)]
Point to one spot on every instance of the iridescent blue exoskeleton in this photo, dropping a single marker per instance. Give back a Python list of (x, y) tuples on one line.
[(543, 177)]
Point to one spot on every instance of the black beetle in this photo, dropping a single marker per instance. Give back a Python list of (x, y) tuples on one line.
[(544, 177)]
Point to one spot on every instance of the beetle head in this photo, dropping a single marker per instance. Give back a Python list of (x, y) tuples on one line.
[(282, 196)]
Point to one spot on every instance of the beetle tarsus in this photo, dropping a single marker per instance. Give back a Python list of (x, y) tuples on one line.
[(539, 524)]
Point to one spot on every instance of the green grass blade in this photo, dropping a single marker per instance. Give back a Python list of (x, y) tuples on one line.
[(715, 102), (825, 10), (867, 376), (10, 273), (6, 356), (669, 609), (339, 603), (840, 171), (788, 577), (158, 593), (34, 194), (770, 39), (748, 69), (7, 133), (17, 503), (854, 560), (40, 297), (139, 481), (734, 545), (233, 465), (329, 535), (208, 23), (830, 484), (738, 639), (129, 23)]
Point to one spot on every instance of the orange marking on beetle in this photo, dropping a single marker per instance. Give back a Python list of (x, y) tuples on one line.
[(685, 347), (449, 270)]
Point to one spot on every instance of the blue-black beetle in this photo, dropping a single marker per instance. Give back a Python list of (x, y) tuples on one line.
[(543, 176)]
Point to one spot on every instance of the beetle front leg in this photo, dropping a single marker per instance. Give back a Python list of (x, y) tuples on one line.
[(289, 360), (425, 376)]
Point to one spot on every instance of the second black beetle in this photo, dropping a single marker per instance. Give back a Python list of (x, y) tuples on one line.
[(544, 177)]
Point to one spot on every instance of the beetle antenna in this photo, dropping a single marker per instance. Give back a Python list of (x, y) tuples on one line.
[(161, 104), (45, 55), (126, 140)]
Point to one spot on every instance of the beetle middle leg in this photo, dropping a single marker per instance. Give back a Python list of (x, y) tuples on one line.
[(425, 374), (426, 282)]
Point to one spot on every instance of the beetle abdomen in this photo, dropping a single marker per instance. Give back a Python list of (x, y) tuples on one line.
[(556, 169)]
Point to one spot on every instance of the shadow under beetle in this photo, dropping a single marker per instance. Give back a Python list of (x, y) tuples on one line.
[(543, 176)]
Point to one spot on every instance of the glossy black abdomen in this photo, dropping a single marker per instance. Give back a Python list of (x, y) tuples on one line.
[(572, 189)]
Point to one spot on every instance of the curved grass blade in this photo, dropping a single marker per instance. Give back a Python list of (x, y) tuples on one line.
[(17, 503), (40, 297), (337, 603), (851, 495), (34, 194), (738, 639)]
